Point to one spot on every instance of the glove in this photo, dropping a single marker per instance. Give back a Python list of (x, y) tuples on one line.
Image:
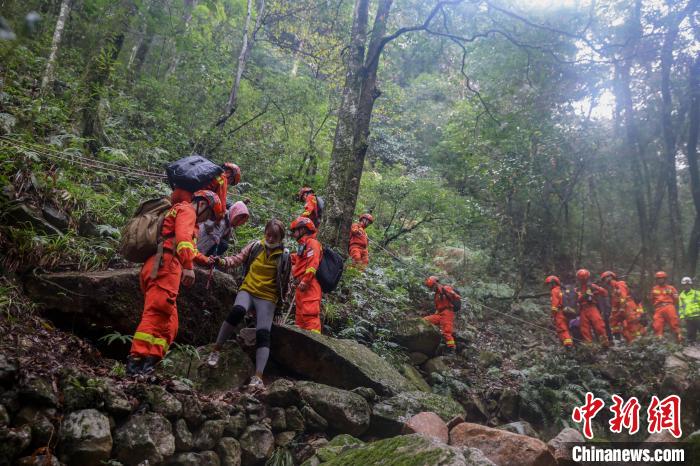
[(212, 260), (303, 285), (221, 262)]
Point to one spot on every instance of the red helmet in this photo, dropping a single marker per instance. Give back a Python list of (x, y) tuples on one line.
[(552, 279), (431, 281), (304, 190), (661, 274), (369, 218), (234, 175), (303, 222), (607, 274), (210, 197), (583, 275)]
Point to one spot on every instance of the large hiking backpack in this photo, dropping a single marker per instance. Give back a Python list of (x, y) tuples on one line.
[(192, 173), (569, 301), (330, 270), (141, 235)]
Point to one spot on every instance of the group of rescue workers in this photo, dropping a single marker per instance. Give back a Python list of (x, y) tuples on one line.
[(197, 228), (584, 308)]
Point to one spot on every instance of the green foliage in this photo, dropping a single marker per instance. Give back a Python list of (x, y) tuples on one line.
[(118, 337), (280, 457)]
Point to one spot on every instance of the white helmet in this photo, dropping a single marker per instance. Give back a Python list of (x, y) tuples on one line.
[(686, 281)]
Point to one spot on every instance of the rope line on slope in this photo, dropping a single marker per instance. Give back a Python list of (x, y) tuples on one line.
[(151, 176)]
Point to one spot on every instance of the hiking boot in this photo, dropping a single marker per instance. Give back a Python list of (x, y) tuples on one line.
[(133, 365), (149, 365), (256, 384), (213, 359), (451, 350)]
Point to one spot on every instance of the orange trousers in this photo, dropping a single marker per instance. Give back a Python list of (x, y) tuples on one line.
[(617, 320), (561, 325), (631, 327), (591, 320), (359, 256), (445, 319), (666, 314), (308, 307), (159, 322)]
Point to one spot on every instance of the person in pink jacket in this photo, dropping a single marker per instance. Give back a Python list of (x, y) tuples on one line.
[(214, 235)]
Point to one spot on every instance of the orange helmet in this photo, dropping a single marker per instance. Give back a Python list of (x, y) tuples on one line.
[(661, 274), (552, 279), (304, 190), (303, 222), (431, 281), (234, 175), (369, 218), (607, 274), (210, 197), (583, 275)]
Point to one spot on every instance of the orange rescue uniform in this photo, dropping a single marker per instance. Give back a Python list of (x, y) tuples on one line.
[(664, 298), (304, 265), (561, 323), (358, 245), (220, 186), (159, 322), (590, 314), (311, 209), (444, 312)]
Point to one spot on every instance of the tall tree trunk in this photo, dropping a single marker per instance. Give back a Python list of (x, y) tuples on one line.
[(143, 46), (247, 45), (98, 73), (47, 79), (670, 138), (692, 156), (186, 18), (352, 130)]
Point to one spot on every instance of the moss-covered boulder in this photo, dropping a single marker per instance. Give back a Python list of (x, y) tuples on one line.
[(339, 363), (112, 300), (390, 415), (416, 335), (234, 369), (405, 450), (346, 412), (413, 376)]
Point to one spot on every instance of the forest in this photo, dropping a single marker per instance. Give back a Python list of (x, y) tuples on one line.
[(494, 142)]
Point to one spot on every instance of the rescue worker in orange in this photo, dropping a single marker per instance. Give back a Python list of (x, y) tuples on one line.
[(588, 308), (160, 277), (559, 319), (307, 196), (359, 241), (625, 316), (446, 299), (664, 297), (230, 177), (305, 262)]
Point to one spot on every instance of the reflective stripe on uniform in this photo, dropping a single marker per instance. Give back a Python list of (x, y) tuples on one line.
[(185, 245), (311, 269), (315, 331), (148, 338)]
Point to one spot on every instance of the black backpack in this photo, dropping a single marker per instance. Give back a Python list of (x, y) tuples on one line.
[(192, 173), (569, 299), (330, 270)]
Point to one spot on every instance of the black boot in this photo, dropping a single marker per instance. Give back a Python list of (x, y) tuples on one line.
[(149, 365), (134, 365)]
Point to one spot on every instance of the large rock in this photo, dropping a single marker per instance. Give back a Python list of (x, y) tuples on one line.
[(406, 450), (209, 434), (519, 427), (13, 442), (416, 335), (205, 458), (282, 393), (413, 376), (39, 419), (346, 412), (234, 369), (435, 365), (561, 444), (112, 300), (85, 438), (428, 424), (160, 401), (229, 451), (257, 444), (340, 363), (144, 437), (390, 415), (501, 447)]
